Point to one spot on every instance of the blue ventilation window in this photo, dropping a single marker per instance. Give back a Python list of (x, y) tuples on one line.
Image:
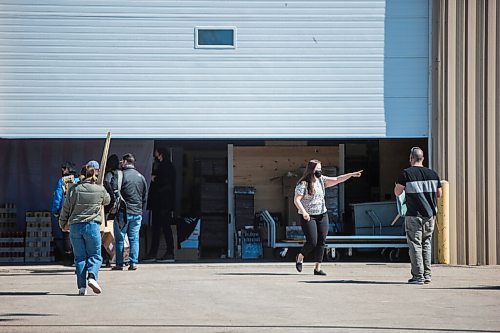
[(215, 37)]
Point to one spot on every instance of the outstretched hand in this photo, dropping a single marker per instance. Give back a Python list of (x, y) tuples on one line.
[(356, 173)]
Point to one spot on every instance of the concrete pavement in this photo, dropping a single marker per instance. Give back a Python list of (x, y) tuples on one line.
[(252, 297)]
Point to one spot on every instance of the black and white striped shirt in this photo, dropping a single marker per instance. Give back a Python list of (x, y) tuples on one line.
[(421, 186)]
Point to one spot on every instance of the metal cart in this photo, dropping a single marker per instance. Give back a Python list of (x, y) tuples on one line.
[(390, 244)]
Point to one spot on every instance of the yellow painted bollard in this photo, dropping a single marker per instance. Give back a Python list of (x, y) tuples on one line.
[(443, 225)]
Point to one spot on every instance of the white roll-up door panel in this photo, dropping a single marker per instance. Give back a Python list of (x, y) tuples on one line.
[(298, 69)]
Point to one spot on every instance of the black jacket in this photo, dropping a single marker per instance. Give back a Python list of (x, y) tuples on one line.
[(162, 190), (134, 190)]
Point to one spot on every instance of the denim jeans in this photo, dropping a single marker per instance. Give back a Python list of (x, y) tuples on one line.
[(131, 229), (86, 241)]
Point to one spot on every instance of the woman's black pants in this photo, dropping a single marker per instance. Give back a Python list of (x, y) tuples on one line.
[(316, 230)]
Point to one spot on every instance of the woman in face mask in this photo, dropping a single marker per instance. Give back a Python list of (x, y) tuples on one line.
[(310, 201)]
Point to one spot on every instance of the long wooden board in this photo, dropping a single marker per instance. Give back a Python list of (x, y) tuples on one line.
[(102, 172)]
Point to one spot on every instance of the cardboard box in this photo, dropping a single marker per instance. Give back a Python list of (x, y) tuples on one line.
[(108, 228), (108, 242), (291, 213), (294, 232)]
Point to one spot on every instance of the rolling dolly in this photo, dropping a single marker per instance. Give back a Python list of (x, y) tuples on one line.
[(392, 243)]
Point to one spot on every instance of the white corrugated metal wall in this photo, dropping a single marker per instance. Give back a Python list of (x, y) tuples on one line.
[(301, 69)]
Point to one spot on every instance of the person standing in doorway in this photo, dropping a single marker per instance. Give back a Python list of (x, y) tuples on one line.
[(310, 201), (422, 187), (81, 215), (134, 192), (162, 205)]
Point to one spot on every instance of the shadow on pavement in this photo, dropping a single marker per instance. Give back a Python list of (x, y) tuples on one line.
[(23, 293), (39, 272), (33, 293), (469, 288), (354, 282), (256, 274), (27, 315), (290, 327)]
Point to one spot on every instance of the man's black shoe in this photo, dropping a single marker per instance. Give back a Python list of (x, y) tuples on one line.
[(320, 272)]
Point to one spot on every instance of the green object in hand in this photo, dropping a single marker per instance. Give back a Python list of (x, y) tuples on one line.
[(401, 203)]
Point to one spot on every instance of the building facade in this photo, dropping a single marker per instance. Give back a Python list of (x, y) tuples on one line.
[(390, 72), (466, 124)]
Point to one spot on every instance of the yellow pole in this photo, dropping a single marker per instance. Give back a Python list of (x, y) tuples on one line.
[(443, 225)]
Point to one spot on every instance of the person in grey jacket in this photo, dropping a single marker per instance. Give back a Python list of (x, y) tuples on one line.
[(81, 215), (134, 191)]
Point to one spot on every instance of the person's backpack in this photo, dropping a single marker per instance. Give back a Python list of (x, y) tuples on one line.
[(118, 200)]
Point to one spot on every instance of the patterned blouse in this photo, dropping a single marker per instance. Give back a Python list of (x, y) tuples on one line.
[(313, 204)]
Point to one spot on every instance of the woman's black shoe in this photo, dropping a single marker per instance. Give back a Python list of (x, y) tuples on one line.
[(298, 265), (320, 272)]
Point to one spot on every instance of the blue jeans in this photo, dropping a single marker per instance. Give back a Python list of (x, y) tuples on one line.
[(131, 229), (86, 241)]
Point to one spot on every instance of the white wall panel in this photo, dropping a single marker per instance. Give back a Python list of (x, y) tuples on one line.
[(301, 69)]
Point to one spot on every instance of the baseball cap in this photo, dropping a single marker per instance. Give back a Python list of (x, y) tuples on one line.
[(93, 164)]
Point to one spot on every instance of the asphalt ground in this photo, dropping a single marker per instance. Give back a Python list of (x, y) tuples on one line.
[(252, 297)]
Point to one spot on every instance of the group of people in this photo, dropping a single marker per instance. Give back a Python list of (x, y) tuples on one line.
[(81, 207), (78, 210), (422, 187)]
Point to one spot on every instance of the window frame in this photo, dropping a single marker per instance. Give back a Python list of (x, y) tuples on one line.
[(198, 46)]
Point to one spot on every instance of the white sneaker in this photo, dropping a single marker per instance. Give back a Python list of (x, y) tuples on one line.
[(96, 288), (82, 291)]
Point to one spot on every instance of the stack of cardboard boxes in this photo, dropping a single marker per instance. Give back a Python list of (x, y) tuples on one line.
[(38, 238), (11, 240)]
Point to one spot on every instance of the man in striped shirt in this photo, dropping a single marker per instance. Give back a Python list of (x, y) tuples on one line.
[(422, 187)]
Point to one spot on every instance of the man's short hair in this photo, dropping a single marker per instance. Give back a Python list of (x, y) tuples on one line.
[(417, 154), (70, 166), (129, 158)]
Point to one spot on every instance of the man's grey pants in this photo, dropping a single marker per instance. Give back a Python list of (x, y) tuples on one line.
[(419, 237)]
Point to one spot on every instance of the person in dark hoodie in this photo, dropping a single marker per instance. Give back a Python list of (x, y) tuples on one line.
[(81, 215), (134, 192), (162, 204)]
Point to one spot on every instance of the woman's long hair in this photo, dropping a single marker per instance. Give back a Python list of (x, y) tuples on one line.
[(308, 176), (113, 163), (91, 174)]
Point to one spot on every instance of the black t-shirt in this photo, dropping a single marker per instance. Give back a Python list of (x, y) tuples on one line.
[(421, 186)]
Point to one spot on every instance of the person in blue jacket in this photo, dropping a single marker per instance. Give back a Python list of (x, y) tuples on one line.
[(61, 239)]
